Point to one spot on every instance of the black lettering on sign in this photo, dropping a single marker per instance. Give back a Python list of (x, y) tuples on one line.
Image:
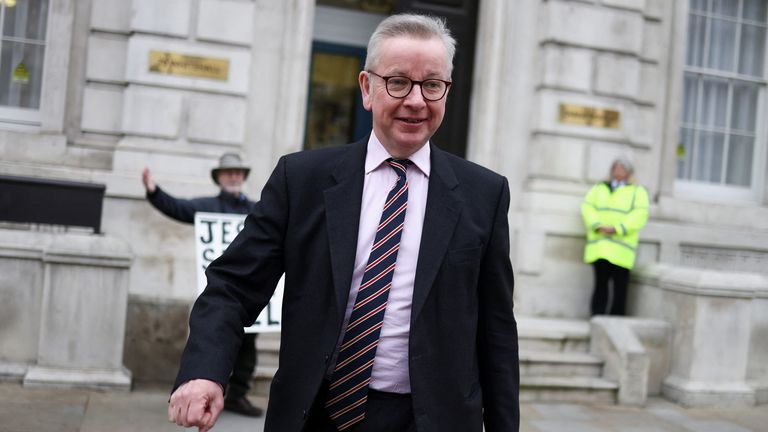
[(210, 231)]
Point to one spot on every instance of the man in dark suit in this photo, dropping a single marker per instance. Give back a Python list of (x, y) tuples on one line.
[(394, 320)]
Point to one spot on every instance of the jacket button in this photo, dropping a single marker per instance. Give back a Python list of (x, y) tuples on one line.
[(304, 414)]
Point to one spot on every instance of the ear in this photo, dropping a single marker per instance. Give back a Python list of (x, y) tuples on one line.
[(365, 88)]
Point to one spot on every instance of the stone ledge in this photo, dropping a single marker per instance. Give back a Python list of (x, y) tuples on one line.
[(41, 376), (705, 393)]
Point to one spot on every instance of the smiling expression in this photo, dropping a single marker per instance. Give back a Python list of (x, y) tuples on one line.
[(404, 125)]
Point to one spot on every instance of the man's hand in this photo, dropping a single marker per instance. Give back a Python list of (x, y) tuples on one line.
[(196, 403), (146, 178)]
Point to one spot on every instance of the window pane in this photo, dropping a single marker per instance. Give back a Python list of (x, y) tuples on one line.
[(725, 7), (714, 103), (708, 157), (26, 20), (722, 43), (695, 52), (21, 71), (699, 5), (684, 153), (755, 10), (744, 109), (690, 92), (740, 151), (752, 50)]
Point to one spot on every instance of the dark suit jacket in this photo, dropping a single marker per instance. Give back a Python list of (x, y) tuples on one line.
[(463, 338)]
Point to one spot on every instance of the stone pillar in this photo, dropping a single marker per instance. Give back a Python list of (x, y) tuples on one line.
[(715, 316), (82, 314)]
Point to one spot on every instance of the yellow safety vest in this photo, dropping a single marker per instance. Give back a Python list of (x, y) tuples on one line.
[(626, 210)]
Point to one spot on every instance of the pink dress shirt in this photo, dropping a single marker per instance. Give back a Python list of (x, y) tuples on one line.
[(390, 368)]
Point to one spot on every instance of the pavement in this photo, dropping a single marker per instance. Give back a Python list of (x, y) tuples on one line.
[(144, 410)]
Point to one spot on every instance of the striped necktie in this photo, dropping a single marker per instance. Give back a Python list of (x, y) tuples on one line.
[(348, 390)]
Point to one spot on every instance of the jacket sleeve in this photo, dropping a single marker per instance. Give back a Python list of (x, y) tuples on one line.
[(589, 213), (638, 215), (240, 284), (180, 209), (497, 331)]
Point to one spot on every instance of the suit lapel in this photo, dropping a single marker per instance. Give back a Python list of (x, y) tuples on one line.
[(342, 209), (442, 213)]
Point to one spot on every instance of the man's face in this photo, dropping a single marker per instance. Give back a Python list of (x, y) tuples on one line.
[(404, 125), (231, 180), (619, 172)]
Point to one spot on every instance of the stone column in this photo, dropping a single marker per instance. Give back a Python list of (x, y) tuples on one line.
[(82, 317)]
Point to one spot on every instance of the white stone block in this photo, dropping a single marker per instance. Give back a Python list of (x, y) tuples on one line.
[(217, 119), (637, 5), (558, 157), (655, 41), (599, 159), (106, 57), (111, 15), (657, 9), (152, 111), (102, 109), (653, 84), (568, 68), (617, 75), (635, 126), (595, 27), (225, 21), (137, 68), (169, 17)]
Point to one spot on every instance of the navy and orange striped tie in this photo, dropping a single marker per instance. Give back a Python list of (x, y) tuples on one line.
[(348, 390)]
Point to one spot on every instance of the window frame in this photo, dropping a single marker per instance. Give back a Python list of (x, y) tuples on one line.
[(721, 192), (21, 117)]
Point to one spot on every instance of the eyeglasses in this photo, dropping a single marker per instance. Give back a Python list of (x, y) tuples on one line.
[(399, 87)]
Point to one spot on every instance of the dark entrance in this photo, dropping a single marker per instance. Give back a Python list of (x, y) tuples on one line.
[(461, 16)]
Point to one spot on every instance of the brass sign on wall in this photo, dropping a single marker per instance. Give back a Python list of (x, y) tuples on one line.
[(588, 116), (171, 63)]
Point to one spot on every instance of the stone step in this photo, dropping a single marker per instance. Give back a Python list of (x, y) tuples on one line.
[(559, 364), (553, 334), (568, 389), (268, 346), (262, 379)]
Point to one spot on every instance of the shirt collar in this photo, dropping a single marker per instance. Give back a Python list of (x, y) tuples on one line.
[(377, 154)]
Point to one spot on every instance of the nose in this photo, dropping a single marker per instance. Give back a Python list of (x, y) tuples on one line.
[(415, 98)]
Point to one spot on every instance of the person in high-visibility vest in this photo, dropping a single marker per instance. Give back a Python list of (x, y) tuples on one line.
[(614, 211)]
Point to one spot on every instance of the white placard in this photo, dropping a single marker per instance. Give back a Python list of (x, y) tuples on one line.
[(213, 234)]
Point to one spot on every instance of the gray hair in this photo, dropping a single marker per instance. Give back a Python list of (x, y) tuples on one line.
[(412, 25), (625, 163)]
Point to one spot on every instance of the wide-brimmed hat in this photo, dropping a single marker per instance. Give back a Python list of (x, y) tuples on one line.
[(229, 161)]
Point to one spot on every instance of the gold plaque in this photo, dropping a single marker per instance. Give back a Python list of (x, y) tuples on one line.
[(588, 116), (170, 63)]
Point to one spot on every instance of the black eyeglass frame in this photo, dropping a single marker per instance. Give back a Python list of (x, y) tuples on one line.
[(413, 82)]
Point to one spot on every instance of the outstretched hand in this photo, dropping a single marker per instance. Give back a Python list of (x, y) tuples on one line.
[(146, 178), (196, 403)]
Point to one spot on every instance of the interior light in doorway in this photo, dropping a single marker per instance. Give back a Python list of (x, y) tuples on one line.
[(9, 3)]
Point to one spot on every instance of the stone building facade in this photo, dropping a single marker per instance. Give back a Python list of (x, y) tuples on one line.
[(560, 88)]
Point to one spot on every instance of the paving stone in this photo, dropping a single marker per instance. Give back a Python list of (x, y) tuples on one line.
[(566, 425)]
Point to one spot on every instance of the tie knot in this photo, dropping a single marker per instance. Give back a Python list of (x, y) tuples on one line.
[(399, 165)]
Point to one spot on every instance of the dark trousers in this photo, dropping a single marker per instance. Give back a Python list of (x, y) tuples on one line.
[(606, 301), (242, 371), (385, 412)]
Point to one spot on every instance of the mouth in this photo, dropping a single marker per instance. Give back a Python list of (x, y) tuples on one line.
[(413, 121)]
